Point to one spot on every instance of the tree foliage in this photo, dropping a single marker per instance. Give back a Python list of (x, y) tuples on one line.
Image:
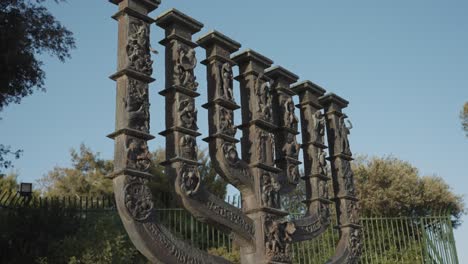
[(86, 177), (464, 118), (5, 152), (387, 186), (28, 29), (8, 183)]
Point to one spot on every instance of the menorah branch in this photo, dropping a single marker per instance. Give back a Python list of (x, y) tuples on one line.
[(349, 246), (132, 158), (317, 216), (221, 106)]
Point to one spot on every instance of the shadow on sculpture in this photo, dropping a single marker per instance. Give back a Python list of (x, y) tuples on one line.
[(269, 166)]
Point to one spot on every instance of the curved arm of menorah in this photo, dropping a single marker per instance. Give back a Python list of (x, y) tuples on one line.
[(317, 217), (221, 105), (226, 162), (156, 242), (349, 245), (206, 207)]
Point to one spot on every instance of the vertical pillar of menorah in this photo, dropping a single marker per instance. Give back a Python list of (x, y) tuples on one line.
[(134, 69), (132, 158), (258, 150), (287, 148), (313, 144), (180, 93), (345, 199)]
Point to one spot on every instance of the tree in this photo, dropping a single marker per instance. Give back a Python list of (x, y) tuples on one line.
[(5, 151), (28, 29), (464, 118), (86, 177), (8, 183), (387, 186)]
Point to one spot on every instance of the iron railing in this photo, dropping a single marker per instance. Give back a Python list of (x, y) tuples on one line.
[(386, 240)]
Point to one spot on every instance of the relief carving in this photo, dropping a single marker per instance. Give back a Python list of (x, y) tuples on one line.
[(230, 153), (293, 174), (190, 179), (323, 189), (355, 246), (185, 63), (138, 200), (291, 148), (138, 48), (226, 123), (348, 176), (352, 212), (236, 217), (324, 213), (137, 105), (319, 126), (266, 146), (322, 162), (270, 191), (290, 119), (232, 157), (188, 114), (343, 131), (138, 155), (278, 236), (170, 243), (226, 81), (263, 93), (188, 147)]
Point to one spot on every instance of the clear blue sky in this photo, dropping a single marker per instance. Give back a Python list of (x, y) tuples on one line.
[(403, 65)]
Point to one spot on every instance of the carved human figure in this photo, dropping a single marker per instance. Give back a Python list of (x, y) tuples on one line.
[(290, 119), (185, 63), (138, 200), (143, 162), (270, 188), (138, 155), (324, 213), (319, 126), (190, 180), (138, 48), (322, 162), (132, 152), (227, 79), (188, 147), (348, 176), (278, 237), (289, 230), (323, 189), (274, 244), (262, 144), (262, 90), (293, 174), (291, 148), (137, 106), (226, 122), (188, 114), (230, 153), (343, 132)]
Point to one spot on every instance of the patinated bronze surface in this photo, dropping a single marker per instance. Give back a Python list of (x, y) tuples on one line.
[(269, 166)]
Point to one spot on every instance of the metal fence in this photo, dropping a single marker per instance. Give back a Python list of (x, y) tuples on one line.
[(385, 239)]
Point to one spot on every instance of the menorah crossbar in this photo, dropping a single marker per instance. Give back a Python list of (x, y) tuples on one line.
[(269, 165)]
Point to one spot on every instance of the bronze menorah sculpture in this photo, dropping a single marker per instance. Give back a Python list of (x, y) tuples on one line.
[(269, 164)]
